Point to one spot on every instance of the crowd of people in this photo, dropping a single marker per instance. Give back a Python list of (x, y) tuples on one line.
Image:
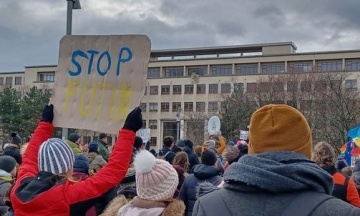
[(278, 171)]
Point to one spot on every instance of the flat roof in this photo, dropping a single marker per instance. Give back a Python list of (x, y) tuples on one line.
[(12, 72), (249, 48), (220, 50)]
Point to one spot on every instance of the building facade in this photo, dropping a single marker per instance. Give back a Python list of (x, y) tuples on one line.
[(193, 82)]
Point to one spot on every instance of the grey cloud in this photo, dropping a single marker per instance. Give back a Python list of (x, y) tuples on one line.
[(29, 38)]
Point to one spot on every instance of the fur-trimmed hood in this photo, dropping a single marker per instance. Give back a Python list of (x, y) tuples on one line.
[(171, 208)]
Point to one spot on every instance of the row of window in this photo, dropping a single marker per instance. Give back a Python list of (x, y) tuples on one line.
[(250, 87), (212, 106), (189, 89), (253, 69), (9, 81), (41, 77)]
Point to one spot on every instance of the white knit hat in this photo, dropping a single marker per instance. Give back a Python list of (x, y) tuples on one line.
[(156, 179), (55, 156)]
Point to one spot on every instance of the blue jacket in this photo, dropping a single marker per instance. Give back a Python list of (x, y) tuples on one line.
[(202, 173)]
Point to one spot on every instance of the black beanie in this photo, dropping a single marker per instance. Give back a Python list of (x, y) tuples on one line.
[(138, 142), (15, 139), (7, 163), (208, 158)]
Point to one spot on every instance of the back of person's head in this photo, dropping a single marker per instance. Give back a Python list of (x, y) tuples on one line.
[(81, 164), (347, 171), (156, 179), (231, 154), (103, 135), (182, 159), (15, 139), (8, 164), (189, 144), (208, 158), (324, 155), (176, 149), (231, 143), (198, 150), (210, 144), (138, 143), (55, 156), (93, 147), (180, 143), (152, 151), (73, 137), (279, 128), (357, 166), (341, 164), (168, 141)]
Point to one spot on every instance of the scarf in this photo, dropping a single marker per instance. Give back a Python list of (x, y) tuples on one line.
[(277, 172)]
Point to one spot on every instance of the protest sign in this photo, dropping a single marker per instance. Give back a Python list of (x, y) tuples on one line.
[(244, 135), (214, 125), (100, 79), (145, 135)]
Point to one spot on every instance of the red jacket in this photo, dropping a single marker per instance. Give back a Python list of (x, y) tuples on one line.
[(350, 193), (56, 201)]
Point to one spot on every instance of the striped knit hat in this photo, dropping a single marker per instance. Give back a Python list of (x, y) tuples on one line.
[(55, 156), (156, 179)]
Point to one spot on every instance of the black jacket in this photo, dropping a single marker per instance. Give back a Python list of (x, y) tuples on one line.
[(201, 174)]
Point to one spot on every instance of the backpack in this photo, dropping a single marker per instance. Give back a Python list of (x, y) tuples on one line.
[(303, 204), (163, 157)]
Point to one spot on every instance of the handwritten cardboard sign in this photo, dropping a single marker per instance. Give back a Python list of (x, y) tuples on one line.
[(100, 79)]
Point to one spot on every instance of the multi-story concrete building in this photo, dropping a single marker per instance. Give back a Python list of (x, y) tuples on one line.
[(195, 79)]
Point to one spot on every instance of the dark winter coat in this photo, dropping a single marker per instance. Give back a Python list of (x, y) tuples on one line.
[(265, 184), (40, 193), (193, 158), (202, 173), (13, 151)]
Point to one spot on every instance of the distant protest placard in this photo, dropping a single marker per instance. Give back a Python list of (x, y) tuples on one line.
[(100, 79)]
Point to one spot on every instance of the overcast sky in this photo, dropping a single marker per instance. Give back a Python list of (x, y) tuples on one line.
[(30, 30)]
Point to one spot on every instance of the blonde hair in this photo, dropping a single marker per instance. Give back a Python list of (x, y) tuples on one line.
[(324, 154), (347, 171), (182, 159)]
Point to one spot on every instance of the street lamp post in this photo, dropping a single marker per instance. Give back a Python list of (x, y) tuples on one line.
[(178, 119), (71, 5)]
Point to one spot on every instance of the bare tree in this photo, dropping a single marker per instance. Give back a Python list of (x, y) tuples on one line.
[(195, 125), (330, 105)]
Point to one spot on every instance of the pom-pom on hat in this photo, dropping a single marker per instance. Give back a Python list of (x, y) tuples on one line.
[(156, 179), (15, 139), (55, 156)]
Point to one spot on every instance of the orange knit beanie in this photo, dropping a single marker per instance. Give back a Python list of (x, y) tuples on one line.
[(279, 128)]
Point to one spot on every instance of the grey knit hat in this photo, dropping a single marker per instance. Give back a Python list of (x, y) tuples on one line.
[(55, 156)]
